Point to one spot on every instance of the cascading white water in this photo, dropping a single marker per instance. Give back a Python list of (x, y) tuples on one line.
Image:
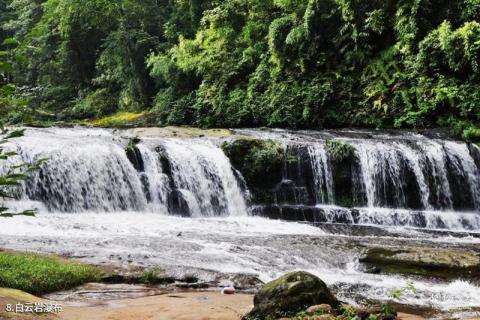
[(88, 170), (464, 164), (396, 180), (82, 173), (381, 168), (435, 159), (382, 164), (322, 173), (204, 175), (155, 181), (416, 162)]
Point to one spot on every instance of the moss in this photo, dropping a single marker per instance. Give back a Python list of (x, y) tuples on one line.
[(260, 162), (119, 119), (38, 274), (154, 277), (180, 132), (472, 134), (290, 294), (340, 151), (134, 155)]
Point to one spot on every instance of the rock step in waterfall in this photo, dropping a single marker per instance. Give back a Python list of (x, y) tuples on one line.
[(403, 179)]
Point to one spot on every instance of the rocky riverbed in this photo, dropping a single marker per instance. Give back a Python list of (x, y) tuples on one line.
[(244, 252)]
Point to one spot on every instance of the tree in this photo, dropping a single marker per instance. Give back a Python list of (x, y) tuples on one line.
[(14, 174)]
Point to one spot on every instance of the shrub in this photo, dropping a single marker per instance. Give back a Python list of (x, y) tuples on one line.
[(340, 151)]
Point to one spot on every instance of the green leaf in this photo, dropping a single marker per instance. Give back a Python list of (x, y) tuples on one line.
[(10, 42)]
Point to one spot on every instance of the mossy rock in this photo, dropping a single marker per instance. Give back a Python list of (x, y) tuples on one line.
[(290, 294), (180, 132), (340, 151), (119, 120), (438, 263), (134, 155), (260, 162)]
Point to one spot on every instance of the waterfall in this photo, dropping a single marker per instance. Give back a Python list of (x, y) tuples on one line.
[(322, 173), (463, 164), (392, 179), (81, 174), (396, 180), (155, 181), (204, 176), (90, 170)]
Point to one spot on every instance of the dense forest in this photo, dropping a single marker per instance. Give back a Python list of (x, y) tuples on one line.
[(231, 63)]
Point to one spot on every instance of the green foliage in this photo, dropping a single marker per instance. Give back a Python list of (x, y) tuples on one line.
[(260, 163), (339, 151), (347, 312), (278, 63), (42, 274), (388, 309), (154, 277), (255, 158), (15, 174)]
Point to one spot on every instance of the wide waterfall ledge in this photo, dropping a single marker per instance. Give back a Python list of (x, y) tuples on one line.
[(389, 179)]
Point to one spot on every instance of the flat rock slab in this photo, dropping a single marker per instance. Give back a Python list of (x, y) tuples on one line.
[(99, 293), (179, 132), (441, 263), (181, 306)]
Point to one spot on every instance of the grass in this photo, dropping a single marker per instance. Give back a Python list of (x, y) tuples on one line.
[(38, 274), (118, 119)]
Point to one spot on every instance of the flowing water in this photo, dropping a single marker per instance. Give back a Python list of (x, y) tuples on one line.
[(178, 203)]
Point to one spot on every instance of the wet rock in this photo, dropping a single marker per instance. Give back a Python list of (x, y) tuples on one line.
[(197, 285), (260, 162), (364, 312), (113, 278), (290, 294), (287, 192), (461, 194), (320, 308), (246, 282), (228, 290), (439, 263), (177, 204), (134, 155)]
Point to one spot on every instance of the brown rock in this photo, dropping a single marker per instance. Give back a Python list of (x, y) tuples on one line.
[(228, 290), (323, 317), (324, 308), (364, 312)]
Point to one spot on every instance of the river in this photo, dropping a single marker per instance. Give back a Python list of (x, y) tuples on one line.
[(96, 205)]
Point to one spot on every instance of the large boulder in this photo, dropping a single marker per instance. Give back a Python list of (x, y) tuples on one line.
[(289, 294)]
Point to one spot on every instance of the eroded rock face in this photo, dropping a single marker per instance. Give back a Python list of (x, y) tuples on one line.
[(290, 294), (260, 162), (424, 261)]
